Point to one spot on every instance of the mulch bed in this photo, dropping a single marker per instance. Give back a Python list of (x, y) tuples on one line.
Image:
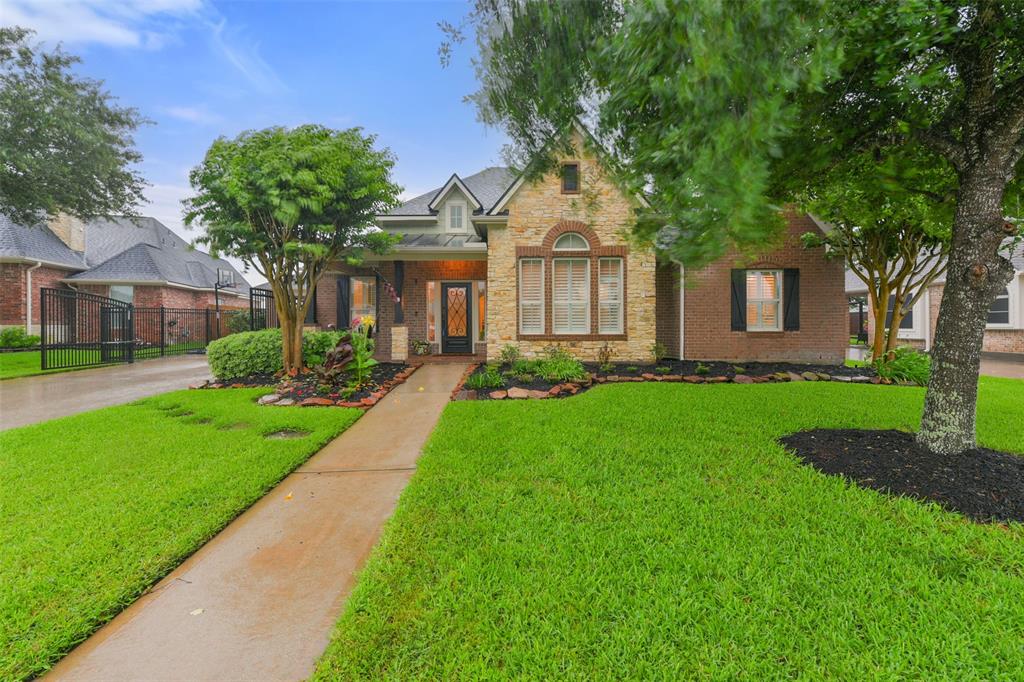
[(688, 371), (303, 389), (982, 484)]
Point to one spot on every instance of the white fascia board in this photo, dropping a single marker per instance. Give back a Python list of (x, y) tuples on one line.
[(453, 181), (513, 188), (406, 218), (33, 261)]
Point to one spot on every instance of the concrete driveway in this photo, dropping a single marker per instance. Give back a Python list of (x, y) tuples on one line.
[(34, 399)]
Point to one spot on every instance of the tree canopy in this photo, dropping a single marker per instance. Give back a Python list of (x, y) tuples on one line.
[(289, 202), (66, 146), (723, 111)]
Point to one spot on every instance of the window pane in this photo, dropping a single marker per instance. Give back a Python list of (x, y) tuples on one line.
[(571, 241), (431, 320), (570, 296), (455, 216), (531, 296), (752, 317), (769, 315), (364, 297), (122, 293), (999, 313), (570, 177), (610, 296)]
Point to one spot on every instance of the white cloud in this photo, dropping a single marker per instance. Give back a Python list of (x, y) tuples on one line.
[(115, 23), (244, 55), (192, 114)]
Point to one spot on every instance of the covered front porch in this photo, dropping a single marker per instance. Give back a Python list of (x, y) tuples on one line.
[(424, 303)]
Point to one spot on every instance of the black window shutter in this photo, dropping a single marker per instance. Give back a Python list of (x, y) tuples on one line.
[(399, 280), (739, 300), (791, 303), (344, 302)]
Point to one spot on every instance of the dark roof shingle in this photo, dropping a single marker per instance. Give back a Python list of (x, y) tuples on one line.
[(487, 186), (36, 243)]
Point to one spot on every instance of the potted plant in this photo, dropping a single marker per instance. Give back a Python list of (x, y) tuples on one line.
[(421, 347)]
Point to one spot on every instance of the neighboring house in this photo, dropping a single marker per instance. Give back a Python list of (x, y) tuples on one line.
[(138, 261), (490, 259), (1004, 332)]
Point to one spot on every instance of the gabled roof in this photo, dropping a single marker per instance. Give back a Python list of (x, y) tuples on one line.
[(485, 187), (19, 242), (145, 250)]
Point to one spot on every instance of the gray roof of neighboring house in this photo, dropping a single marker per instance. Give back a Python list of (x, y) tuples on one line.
[(36, 243), (487, 186), (854, 285), (146, 250)]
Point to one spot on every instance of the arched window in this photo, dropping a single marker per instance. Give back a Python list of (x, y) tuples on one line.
[(571, 241)]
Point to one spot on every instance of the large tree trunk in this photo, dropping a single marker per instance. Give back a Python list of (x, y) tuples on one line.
[(878, 338), (975, 276)]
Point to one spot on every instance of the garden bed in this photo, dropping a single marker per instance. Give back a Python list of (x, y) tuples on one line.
[(305, 390), (534, 385), (982, 484)]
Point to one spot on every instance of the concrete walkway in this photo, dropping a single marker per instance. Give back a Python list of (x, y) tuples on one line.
[(259, 601), (34, 399)]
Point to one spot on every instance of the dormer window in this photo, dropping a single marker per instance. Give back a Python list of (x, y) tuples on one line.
[(570, 178), (456, 216)]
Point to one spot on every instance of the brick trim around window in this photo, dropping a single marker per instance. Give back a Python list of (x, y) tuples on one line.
[(594, 254)]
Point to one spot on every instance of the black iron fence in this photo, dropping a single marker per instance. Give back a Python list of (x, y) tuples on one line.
[(262, 313), (78, 329)]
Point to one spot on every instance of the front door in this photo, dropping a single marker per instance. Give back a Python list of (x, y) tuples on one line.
[(456, 321)]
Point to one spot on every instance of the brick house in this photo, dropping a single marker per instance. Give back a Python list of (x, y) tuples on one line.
[(491, 259), (1004, 332), (139, 261)]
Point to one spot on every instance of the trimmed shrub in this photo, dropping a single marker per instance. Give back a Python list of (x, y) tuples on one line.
[(906, 364), (238, 321), (259, 353), (15, 337), (560, 365), (489, 378)]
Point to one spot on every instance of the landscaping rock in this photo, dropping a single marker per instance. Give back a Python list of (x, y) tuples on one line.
[(539, 395), (348, 403), (716, 380), (762, 380), (693, 379), (842, 378), (600, 380), (809, 376), (876, 380), (572, 388), (237, 385), (781, 376), (650, 377), (742, 379), (613, 378), (517, 393), (269, 399), (215, 386), (824, 377), (861, 379), (498, 395), (672, 377), (555, 390), (368, 402), (198, 386), (285, 402), (466, 394), (317, 402)]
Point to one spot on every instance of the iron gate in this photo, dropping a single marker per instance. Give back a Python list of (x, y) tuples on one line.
[(262, 313), (78, 329)]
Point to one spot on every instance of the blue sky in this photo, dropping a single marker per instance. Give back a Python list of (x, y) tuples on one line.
[(201, 69)]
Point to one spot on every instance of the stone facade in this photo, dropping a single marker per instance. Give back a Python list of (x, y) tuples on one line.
[(822, 336), (536, 213)]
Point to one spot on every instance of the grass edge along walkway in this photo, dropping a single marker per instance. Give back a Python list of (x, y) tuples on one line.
[(99, 506), (659, 531)]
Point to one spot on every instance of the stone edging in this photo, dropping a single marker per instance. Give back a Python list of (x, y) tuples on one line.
[(316, 401), (571, 388)]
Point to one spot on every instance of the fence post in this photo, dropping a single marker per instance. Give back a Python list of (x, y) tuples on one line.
[(163, 331), (42, 328), (207, 316), (131, 333)]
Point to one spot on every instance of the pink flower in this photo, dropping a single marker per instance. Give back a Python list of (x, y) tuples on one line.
[(357, 322)]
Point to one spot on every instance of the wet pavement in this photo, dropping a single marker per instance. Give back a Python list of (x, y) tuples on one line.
[(34, 399), (259, 601)]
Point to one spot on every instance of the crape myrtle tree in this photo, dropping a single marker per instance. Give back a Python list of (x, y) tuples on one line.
[(65, 145), (724, 111), (288, 203), (894, 240)]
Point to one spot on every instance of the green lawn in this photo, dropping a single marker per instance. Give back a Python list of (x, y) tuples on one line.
[(24, 364), (98, 506), (658, 531)]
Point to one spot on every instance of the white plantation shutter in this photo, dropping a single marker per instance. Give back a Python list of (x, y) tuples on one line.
[(570, 296), (609, 296), (531, 296)]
